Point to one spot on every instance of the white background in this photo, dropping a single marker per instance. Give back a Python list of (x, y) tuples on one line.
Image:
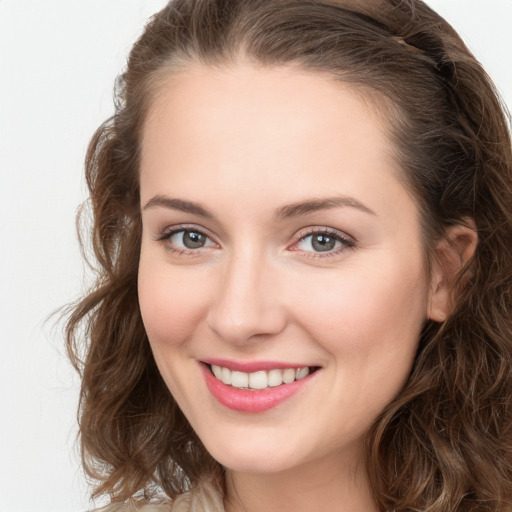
[(58, 62)]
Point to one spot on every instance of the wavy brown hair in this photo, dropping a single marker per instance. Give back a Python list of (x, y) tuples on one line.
[(445, 443)]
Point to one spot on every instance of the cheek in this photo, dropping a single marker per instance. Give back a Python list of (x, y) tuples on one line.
[(370, 309), (171, 303), (370, 327)]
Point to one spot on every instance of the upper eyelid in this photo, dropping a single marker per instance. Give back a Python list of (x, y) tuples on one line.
[(313, 230), (172, 230)]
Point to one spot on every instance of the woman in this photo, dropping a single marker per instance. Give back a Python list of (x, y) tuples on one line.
[(302, 219)]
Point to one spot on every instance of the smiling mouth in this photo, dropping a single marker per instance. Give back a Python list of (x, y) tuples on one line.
[(256, 381)]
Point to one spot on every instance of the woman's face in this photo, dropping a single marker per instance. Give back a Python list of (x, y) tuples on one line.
[(281, 251)]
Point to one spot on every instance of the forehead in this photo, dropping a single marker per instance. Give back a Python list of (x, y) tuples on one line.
[(255, 129), (284, 93)]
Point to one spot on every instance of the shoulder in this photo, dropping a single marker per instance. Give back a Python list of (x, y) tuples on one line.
[(182, 504), (204, 498), (136, 507)]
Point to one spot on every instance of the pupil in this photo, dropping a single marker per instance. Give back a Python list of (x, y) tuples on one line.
[(193, 240), (323, 243)]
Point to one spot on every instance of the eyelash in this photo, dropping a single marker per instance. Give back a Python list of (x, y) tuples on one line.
[(167, 234), (346, 242)]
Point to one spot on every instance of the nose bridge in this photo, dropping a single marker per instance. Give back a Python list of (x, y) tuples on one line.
[(246, 304)]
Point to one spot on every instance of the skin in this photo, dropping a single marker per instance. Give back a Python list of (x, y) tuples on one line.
[(243, 142)]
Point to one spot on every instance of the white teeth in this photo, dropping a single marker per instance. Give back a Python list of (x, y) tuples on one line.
[(301, 373), (288, 375), (275, 378), (226, 376), (239, 379), (217, 371), (259, 380)]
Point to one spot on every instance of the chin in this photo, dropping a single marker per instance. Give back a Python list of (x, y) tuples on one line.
[(253, 463), (239, 454), (262, 455)]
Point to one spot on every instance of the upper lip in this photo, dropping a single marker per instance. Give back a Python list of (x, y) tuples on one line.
[(252, 366)]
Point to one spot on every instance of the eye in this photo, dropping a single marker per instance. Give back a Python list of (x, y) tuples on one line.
[(187, 239), (181, 239), (327, 241), (319, 242)]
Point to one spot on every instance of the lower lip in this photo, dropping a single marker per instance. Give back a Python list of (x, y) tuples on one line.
[(243, 400)]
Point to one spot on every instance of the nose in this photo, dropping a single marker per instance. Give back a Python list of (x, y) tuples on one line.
[(247, 304)]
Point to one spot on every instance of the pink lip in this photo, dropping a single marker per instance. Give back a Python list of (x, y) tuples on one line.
[(252, 366), (242, 400)]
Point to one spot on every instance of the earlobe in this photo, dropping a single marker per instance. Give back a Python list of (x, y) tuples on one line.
[(452, 254)]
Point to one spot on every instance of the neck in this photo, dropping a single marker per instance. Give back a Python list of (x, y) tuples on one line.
[(324, 485)]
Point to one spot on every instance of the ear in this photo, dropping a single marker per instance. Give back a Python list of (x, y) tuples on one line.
[(452, 254)]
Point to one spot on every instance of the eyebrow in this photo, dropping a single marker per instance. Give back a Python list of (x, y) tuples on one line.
[(284, 212), (178, 204), (314, 205)]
